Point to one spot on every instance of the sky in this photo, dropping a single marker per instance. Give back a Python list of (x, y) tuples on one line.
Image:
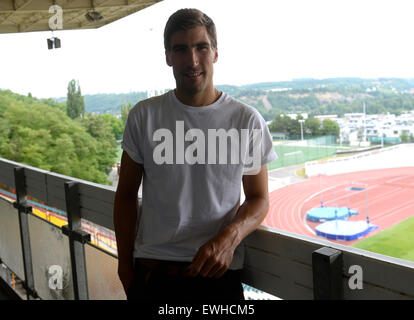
[(258, 41)]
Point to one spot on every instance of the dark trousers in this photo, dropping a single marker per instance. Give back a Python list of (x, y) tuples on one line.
[(150, 284)]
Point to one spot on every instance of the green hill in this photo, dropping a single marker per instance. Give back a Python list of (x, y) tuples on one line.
[(312, 96)]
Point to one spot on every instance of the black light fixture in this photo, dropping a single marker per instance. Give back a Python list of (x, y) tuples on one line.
[(57, 43), (93, 16), (53, 42), (50, 44)]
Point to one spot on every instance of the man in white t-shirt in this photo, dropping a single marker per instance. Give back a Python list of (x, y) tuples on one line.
[(192, 147)]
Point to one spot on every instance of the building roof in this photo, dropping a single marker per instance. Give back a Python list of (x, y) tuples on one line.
[(33, 15)]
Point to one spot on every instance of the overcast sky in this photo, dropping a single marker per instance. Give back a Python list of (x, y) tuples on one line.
[(258, 41)]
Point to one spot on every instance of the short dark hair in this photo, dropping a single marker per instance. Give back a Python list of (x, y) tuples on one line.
[(185, 19)]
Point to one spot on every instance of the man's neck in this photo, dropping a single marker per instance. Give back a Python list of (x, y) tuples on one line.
[(200, 99)]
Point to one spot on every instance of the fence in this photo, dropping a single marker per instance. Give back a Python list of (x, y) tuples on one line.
[(392, 157), (280, 263)]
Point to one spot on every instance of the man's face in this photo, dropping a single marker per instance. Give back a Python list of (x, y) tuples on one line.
[(192, 58)]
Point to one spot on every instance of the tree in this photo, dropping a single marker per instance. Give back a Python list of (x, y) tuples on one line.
[(101, 130), (125, 108), (279, 124), (312, 126), (285, 124), (117, 126), (75, 104), (38, 134), (330, 128), (404, 137)]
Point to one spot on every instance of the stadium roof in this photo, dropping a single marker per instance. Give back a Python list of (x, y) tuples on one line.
[(33, 15)]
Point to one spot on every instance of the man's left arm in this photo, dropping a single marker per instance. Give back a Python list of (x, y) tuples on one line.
[(214, 258)]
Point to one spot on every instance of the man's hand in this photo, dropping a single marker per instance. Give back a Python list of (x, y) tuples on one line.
[(214, 257)]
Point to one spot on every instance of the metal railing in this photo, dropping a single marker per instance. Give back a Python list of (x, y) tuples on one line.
[(62, 263)]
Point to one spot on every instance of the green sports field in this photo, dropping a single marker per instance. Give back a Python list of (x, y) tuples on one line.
[(290, 154), (396, 241)]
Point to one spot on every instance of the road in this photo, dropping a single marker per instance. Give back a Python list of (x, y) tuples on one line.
[(281, 177), (287, 172)]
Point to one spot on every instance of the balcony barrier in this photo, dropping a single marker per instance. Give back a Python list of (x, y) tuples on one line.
[(61, 262)]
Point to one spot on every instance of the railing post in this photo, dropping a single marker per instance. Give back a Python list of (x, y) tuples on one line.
[(23, 209), (327, 274), (77, 240)]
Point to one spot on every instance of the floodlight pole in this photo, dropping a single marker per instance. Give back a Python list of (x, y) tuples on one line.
[(301, 121)]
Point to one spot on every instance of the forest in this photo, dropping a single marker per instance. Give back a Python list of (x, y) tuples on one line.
[(42, 133)]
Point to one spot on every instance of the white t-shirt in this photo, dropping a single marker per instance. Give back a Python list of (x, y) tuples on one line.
[(191, 187)]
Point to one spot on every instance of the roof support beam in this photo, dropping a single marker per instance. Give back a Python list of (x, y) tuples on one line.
[(22, 5), (44, 5), (28, 15)]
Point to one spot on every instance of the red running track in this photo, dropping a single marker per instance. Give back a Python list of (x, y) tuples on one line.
[(388, 198)]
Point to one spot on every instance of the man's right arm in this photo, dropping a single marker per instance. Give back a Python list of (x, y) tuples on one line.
[(125, 216)]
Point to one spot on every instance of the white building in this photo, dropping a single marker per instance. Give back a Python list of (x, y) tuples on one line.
[(356, 127)]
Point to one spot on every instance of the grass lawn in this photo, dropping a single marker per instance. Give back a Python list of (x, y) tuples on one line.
[(396, 241), (289, 155)]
